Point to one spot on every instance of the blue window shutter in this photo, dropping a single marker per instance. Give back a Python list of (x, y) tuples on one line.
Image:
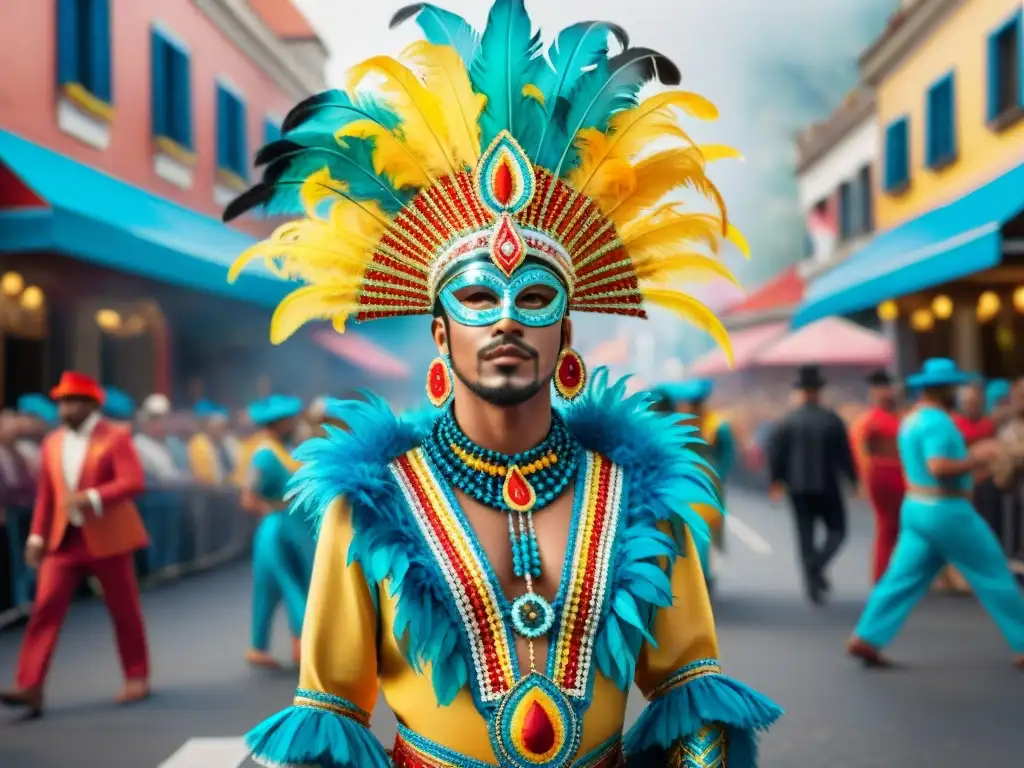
[(931, 128), (183, 94), (101, 85), (159, 83), (243, 142), (67, 41), (1020, 58), (994, 77), (222, 129)]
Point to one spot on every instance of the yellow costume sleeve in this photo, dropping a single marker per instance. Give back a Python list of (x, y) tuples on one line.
[(202, 460), (696, 716), (328, 722)]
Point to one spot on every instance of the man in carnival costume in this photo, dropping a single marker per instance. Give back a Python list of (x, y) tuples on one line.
[(939, 525), (283, 545), (536, 561)]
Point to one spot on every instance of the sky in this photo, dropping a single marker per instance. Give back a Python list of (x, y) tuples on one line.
[(771, 66)]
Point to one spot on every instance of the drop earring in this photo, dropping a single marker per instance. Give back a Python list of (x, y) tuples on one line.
[(570, 374), (439, 381)]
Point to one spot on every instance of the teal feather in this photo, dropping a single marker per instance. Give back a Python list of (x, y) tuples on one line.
[(442, 27), (682, 712), (610, 87), (506, 61), (303, 735), (576, 49)]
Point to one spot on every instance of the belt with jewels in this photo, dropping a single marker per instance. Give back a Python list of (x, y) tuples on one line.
[(414, 751)]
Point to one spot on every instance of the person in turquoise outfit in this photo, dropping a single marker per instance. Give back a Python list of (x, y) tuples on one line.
[(938, 525), (283, 546), (689, 399)]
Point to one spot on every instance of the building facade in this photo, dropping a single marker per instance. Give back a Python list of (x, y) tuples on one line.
[(125, 126), (944, 272)]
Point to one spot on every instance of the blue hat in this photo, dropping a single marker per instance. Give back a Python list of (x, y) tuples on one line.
[(997, 389), (118, 405), (689, 391), (206, 409), (939, 372), (274, 408), (39, 406)]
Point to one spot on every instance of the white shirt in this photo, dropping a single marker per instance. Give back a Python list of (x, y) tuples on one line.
[(73, 450), (157, 459)]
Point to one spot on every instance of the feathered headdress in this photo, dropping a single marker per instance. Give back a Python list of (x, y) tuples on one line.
[(477, 144)]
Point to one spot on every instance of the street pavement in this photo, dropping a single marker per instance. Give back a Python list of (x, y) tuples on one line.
[(957, 702)]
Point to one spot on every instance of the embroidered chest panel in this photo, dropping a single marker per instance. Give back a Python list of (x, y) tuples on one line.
[(485, 612)]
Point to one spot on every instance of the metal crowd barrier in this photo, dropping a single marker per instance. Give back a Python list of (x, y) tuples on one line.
[(191, 529)]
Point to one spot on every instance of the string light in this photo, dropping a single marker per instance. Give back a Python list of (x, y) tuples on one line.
[(1018, 299), (888, 311), (922, 320), (12, 283), (942, 306), (988, 306), (108, 319), (32, 298)]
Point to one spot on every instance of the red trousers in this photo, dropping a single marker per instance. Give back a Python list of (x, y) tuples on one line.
[(885, 489), (60, 573)]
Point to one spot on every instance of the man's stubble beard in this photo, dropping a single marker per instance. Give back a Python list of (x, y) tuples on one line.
[(505, 396)]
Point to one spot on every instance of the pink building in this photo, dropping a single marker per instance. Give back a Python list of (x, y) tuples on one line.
[(125, 127)]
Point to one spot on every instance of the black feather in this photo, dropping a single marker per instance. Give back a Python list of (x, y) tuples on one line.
[(621, 35), (298, 114), (274, 150), (404, 14), (657, 66), (245, 202)]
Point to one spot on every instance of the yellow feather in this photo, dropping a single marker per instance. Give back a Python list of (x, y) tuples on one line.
[(656, 176), (531, 91), (423, 123), (393, 157), (663, 268), (445, 76), (736, 237), (714, 152), (316, 188), (313, 302), (633, 131), (667, 230), (693, 312)]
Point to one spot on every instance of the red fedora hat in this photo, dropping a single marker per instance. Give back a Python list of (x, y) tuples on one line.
[(74, 384)]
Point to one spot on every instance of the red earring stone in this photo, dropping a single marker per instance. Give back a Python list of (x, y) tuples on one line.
[(570, 374), (439, 382)]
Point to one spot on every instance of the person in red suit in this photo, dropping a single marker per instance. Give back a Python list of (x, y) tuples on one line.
[(84, 524), (873, 437)]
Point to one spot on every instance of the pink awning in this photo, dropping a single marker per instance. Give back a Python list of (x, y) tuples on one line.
[(745, 346), (832, 341), (362, 353)]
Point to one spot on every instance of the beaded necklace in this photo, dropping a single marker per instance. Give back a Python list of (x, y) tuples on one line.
[(516, 484)]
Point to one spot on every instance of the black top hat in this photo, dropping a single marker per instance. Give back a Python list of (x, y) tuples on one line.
[(809, 377), (879, 378)]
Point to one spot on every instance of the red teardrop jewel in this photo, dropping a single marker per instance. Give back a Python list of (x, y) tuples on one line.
[(503, 182), (570, 374), (439, 382), (517, 492), (507, 250), (538, 732)]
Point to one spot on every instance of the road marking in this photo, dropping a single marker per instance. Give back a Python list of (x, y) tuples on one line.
[(209, 753), (748, 535)]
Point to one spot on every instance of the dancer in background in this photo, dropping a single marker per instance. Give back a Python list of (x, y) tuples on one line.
[(689, 398), (84, 523), (39, 416), (809, 456), (209, 458), (874, 438), (938, 525), (283, 546)]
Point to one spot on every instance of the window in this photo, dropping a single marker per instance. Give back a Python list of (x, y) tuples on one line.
[(1005, 65), (172, 91), (232, 149), (864, 182), (940, 117), (271, 130), (897, 156), (83, 48), (847, 225)]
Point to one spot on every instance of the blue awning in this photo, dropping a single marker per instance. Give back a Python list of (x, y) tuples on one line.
[(945, 244), (97, 218)]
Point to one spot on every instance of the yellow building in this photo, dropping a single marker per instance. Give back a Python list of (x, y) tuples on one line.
[(946, 269)]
